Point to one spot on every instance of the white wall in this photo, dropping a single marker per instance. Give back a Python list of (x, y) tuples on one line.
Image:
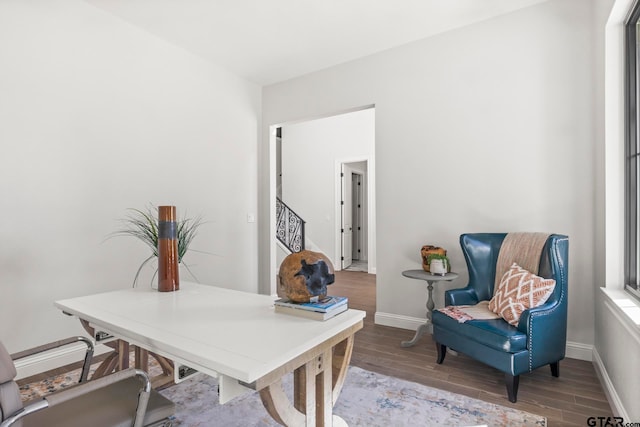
[(310, 152), (499, 114), (97, 116)]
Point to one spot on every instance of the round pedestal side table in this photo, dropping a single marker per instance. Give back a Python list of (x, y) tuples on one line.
[(430, 279)]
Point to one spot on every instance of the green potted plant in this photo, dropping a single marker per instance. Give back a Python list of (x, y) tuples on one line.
[(438, 264), (144, 226)]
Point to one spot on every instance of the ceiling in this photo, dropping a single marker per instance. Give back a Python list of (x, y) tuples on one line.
[(268, 41)]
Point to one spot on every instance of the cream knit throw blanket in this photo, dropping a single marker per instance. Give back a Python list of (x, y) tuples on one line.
[(522, 248)]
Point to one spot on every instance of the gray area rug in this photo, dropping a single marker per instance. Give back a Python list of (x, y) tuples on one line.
[(367, 399)]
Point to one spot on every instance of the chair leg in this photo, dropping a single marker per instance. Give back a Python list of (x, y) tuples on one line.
[(442, 352), (512, 382), (555, 369)]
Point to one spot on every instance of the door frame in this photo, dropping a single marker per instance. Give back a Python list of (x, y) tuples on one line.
[(370, 184), (269, 263)]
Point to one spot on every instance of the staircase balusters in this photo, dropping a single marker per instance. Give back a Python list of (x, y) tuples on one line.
[(289, 227)]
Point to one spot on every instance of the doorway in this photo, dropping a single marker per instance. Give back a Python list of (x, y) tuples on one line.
[(353, 216), (305, 159)]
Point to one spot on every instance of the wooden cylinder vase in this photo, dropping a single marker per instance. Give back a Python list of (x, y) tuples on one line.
[(168, 273)]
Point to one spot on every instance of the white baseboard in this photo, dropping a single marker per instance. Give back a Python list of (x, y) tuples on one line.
[(609, 389), (398, 321), (574, 350), (43, 362)]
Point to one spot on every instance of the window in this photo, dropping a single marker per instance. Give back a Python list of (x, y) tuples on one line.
[(632, 154)]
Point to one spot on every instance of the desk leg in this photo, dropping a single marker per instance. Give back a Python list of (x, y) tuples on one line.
[(316, 386), (107, 366), (166, 377), (422, 329), (141, 358), (123, 355), (114, 360), (119, 360)]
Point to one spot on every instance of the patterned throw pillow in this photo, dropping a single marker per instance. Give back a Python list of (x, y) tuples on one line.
[(518, 291)]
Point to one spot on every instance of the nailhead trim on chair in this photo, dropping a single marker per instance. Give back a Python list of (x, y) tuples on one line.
[(562, 296)]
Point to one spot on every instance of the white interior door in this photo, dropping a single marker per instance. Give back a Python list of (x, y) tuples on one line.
[(347, 215)]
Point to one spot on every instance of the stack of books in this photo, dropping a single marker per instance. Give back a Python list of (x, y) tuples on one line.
[(322, 309)]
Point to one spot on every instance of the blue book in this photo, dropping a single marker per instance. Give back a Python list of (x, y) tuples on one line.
[(315, 315), (323, 305)]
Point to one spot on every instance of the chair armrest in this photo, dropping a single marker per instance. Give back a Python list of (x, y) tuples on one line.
[(537, 315), (460, 296), (35, 406), (68, 394), (545, 327), (61, 343)]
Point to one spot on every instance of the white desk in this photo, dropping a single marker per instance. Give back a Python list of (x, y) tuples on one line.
[(237, 337)]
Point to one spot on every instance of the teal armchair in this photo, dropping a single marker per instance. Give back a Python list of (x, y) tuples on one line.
[(540, 336)]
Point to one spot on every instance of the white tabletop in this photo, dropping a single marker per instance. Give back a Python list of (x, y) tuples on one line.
[(214, 330)]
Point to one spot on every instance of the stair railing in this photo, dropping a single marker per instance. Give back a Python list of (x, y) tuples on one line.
[(289, 227)]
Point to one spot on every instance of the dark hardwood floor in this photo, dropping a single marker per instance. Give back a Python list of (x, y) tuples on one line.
[(566, 401)]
